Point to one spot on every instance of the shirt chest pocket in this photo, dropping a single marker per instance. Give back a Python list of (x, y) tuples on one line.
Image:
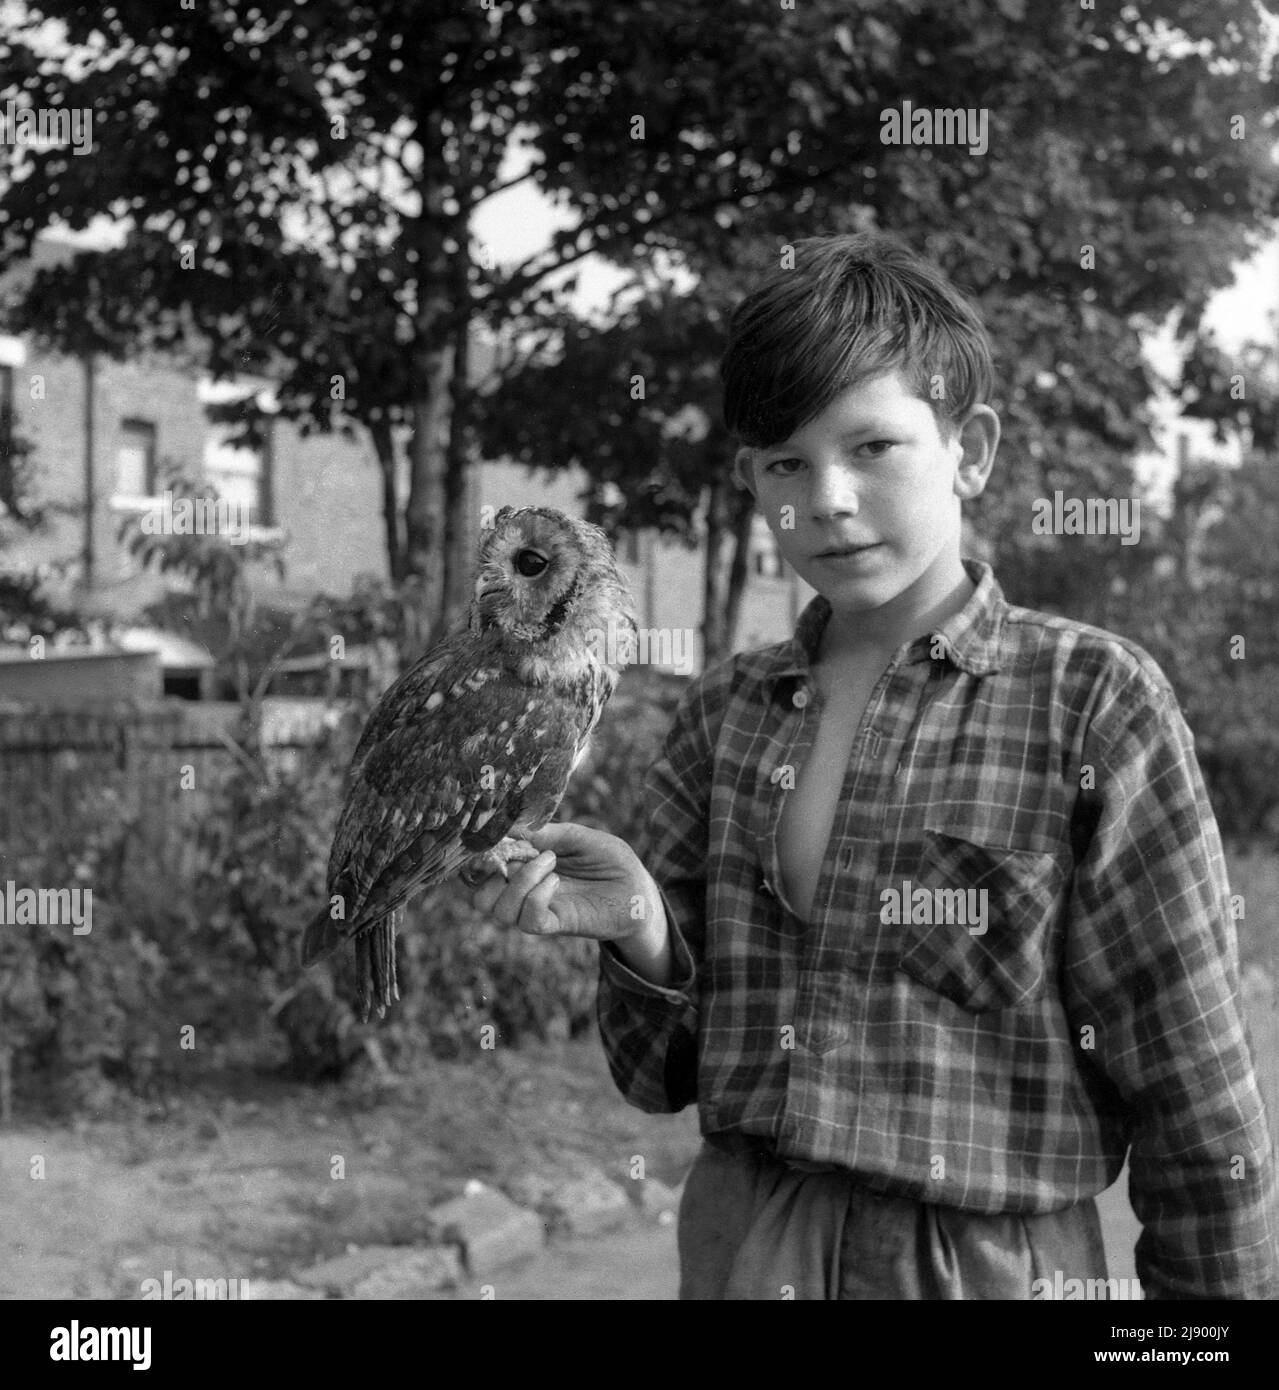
[(978, 927)]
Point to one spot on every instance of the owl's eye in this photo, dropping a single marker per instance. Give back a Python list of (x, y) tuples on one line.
[(529, 563)]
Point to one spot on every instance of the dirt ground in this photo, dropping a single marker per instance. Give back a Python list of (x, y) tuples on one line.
[(238, 1182)]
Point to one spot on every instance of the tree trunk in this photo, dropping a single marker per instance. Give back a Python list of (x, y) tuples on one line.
[(432, 402), (384, 447), (742, 513), (428, 447), (714, 588), (728, 537), (459, 525)]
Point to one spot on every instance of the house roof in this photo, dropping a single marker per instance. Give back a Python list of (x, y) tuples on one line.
[(175, 652)]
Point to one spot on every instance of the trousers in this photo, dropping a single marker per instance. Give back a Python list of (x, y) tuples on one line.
[(754, 1227)]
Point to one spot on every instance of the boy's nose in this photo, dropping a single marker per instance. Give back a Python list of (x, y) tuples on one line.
[(833, 494)]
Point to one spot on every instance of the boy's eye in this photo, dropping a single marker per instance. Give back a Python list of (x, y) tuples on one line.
[(872, 448)]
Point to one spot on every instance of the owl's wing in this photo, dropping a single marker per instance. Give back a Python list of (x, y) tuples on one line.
[(455, 756), (594, 695)]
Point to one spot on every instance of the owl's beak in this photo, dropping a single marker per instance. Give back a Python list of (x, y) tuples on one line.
[(486, 582)]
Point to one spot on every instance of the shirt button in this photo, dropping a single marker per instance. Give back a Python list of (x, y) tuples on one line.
[(799, 699)]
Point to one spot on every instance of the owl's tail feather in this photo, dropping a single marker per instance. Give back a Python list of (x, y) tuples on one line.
[(375, 967), (321, 938), (375, 976)]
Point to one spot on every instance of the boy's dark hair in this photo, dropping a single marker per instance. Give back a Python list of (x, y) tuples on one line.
[(853, 307)]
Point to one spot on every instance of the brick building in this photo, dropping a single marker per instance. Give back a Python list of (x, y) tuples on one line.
[(99, 432)]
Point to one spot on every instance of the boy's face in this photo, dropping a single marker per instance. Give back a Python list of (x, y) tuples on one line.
[(873, 471)]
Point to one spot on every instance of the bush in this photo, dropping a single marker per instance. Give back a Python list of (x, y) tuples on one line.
[(77, 1011), (208, 942)]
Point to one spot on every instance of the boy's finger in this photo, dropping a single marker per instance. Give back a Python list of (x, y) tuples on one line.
[(510, 901), (564, 837), (536, 917), (487, 893)]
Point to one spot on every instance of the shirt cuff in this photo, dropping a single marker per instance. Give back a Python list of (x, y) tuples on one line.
[(683, 967)]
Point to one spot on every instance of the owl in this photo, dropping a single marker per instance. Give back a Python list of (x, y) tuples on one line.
[(474, 745)]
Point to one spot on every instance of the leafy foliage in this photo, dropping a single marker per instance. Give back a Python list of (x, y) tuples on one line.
[(325, 164), (207, 939), (78, 1012), (1206, 606)]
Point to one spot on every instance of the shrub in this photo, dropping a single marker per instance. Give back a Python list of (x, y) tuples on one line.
[(77, 1011), (206, 940)]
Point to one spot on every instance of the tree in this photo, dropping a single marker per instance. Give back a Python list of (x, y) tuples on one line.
[(217, 569), (642, 422), (1128, 170), (27, 611), (299, 188), (299, 185)]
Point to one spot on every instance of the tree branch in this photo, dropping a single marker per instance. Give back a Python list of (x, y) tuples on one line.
[(509, 183), (527, 276)]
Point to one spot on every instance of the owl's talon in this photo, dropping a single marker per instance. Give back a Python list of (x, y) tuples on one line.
[(495, 861), (476, 872)]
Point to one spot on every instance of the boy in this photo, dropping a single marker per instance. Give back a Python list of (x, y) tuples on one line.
[(933, 919)]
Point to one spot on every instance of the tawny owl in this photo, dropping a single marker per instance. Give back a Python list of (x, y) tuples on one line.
[(474, 745)]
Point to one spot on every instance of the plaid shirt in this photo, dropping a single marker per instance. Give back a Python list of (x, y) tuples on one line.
[(1006, 1069)]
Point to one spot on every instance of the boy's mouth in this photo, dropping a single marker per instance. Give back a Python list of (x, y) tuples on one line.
[(840, 552)]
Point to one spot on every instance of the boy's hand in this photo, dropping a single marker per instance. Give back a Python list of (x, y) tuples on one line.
[(585, 883)]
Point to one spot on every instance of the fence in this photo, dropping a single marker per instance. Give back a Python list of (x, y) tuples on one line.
[(69, 773)]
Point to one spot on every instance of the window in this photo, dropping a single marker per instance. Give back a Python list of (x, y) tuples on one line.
[(182, 685), (240, 472), (135, 459)]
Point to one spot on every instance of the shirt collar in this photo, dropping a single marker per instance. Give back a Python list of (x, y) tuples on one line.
[(970, 639)]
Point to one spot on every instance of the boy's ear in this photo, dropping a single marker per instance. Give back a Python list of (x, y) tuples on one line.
[(978, 435), (744, 469)]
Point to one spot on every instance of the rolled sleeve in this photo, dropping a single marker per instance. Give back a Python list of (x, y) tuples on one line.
[(649, 1031)]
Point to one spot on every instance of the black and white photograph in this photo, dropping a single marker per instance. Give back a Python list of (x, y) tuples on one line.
[(639, 661)]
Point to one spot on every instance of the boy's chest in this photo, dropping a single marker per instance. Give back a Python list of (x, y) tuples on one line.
[(954, 853), (808, 812)]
